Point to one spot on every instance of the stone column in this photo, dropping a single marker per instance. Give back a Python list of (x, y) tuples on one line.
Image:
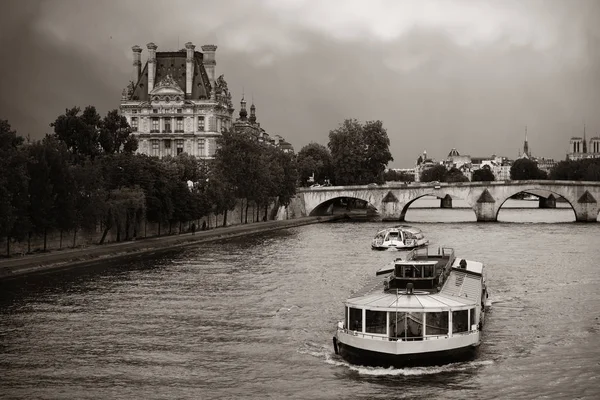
[(209, 62), (151, 65), (549, 202), (189, 69), (137, 62)]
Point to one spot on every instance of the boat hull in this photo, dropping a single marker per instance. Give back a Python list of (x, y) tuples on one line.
[(355, 355), (398, 247)]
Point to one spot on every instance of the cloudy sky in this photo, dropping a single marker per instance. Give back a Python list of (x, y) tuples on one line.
[(440, 74)]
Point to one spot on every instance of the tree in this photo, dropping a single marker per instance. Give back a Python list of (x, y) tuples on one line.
[(484, 174), (79, 132), (577, 170), (359, 152), (455, 175), (399, 176), (526, 169), (314, 160), (115, 134), (436, 173), (14, 198)]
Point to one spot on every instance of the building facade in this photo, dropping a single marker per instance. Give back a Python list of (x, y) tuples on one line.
[(175, 104), (579, 149)]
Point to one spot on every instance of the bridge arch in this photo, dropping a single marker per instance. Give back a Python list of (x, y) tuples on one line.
[(437, 193), (336, 205), (561, 193)]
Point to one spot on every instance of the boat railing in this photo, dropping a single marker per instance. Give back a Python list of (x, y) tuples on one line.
[(383, 337)]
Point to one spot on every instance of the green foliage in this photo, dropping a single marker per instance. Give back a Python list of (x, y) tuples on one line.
[(395, 176), (526, 169), (580, 170), (314, 159), (79, 132), (455, 175), (359, 152), (483, 175), (435, 173), (115, 134)]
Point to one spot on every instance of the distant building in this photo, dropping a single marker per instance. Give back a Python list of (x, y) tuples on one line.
[(423, 163), (578, 149), (175, 104), (250, 124)]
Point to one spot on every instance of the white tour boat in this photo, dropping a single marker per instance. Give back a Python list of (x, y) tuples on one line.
[(425, 310), (399, 237)]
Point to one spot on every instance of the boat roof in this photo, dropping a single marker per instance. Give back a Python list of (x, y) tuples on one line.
[(418, 301), (407, 228), (472, 266)]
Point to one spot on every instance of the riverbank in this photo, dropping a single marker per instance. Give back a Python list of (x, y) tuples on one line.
[(71, 258)]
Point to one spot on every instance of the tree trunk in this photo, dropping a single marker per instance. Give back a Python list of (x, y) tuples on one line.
[(247, 205), (180, 227), (118, 232), (242, 211), (127, 227), (29, 242), (104, 235), (266, 212), (74, 237), (60, 241), (145, 227), (45, 237), (225, 218)]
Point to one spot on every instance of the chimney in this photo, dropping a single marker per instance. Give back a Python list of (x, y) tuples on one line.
[(137, 62), (209, 63), (151, 65), (189, 69)]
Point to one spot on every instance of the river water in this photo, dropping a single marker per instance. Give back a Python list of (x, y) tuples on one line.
[(253, 317)]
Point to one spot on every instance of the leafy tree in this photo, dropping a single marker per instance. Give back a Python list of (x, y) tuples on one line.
[(359, 152), (526, 169), (14, 199), (79, 132), (577, 170), (314, 159), (377, 151), (124, 206), (399, 176), (115, 134), (88, 195), (455, 175), (436, 173), (484, 174)]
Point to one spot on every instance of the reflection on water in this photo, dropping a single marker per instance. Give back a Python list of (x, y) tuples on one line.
[(254, 317)]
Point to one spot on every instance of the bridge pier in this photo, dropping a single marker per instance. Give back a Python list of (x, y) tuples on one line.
[(446, 202), (486, 212), (586, 212), (549, 202)]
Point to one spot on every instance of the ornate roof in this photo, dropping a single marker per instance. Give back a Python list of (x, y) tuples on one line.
[(173, 64), (453, 153), (167, 86)]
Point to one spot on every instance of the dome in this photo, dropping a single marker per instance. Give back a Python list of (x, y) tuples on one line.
[(453, 153)]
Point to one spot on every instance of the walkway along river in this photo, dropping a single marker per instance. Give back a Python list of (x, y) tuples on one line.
[(252, 317)]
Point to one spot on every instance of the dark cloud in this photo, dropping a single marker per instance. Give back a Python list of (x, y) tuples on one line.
[(470, 76)]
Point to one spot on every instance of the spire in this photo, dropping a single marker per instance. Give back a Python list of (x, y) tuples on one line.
[(243, 112), (252, 112), (584, 140), (526, 145)]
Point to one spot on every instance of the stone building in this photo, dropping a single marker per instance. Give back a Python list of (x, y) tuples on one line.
[(175, 104), (579, 149)]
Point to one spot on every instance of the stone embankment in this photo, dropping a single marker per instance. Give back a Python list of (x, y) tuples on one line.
[(92, 255)]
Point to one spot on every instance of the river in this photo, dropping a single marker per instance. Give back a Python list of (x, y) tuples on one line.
[(253, 317)]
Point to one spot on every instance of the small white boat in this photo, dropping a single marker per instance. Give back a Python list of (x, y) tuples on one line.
[(401, 237), (426, 310)]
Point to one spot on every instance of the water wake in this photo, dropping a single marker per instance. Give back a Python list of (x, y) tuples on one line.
[(326, 353)]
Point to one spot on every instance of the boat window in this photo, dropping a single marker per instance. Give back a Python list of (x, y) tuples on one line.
[(346, 317), (459, 321), (393, 235), (472, 316), (412, 271), (397, 324), (355, 319), (414, 325), (436, 323), (375, 321), (427, 271)]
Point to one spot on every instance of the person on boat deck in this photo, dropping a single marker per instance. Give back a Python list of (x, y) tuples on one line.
[(357, 326)]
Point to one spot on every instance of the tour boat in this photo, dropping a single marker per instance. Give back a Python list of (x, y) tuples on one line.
[(427, 309), (399, 237)]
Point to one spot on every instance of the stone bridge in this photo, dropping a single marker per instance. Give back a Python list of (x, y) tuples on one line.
[(485, 198)]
